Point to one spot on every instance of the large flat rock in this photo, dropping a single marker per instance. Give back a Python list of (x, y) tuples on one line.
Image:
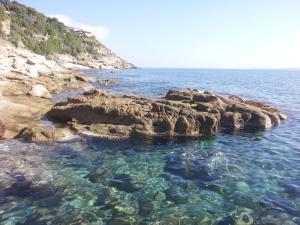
[(184, 113)]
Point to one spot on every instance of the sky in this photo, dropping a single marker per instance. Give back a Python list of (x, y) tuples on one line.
[(191, 33)]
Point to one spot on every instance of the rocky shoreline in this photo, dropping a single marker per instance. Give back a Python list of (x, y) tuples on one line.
[(180, 113), (27, 82)]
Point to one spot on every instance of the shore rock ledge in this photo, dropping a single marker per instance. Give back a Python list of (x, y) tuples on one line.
[(187, 113)]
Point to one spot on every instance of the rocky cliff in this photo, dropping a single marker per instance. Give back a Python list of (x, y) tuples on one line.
[(28, 29), (40, 56)]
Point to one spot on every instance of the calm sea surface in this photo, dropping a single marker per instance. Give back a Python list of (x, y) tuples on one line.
[(254, 178)]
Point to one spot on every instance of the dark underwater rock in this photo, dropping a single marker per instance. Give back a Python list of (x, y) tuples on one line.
[(124, 182), (189, 168), (292, 187), (34, 219), (146, 207), (229, 220), (176, 195), (281, 204), (20, 187), (98, 175)]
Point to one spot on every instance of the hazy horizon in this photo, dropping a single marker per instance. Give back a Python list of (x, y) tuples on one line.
[(175, 34)]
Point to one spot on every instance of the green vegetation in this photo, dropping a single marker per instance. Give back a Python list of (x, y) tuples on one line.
[(45, 35), (2, 12), (2, 17)]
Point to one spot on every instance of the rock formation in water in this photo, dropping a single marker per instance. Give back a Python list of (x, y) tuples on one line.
[(185, 113)]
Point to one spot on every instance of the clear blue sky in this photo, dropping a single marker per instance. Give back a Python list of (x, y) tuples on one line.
[(194, 33)]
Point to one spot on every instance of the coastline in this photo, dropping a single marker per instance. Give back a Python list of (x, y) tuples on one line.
[(27, 83), (30, 80)]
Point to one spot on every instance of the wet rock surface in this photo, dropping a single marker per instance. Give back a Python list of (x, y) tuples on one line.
[(25, 100), (181, 113), (42, 134)]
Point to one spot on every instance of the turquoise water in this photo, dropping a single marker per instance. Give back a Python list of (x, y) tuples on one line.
[(245, 178)]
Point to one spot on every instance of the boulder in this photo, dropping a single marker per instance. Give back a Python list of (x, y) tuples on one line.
[(85, 78), (39, 134), (182, 113), (39, 90), (179, 95), (32, 72), (95, 92)]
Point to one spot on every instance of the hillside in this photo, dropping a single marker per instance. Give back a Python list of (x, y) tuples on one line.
[(25, 27)]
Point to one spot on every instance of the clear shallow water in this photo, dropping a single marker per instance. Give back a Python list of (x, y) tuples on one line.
[(247, 178)]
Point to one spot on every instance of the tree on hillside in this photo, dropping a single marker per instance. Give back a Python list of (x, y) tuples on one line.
[(6, 3)]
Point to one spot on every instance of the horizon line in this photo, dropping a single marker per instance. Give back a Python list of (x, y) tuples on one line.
[(218, 68)]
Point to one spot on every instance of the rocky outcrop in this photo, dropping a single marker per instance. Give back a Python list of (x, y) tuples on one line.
[(24, 100), (187, 113), (20, 61), (41, 134), (19, 112)]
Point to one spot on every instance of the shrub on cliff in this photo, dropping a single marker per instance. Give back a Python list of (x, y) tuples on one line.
[(2, 12), (2, 17), (45, 35)]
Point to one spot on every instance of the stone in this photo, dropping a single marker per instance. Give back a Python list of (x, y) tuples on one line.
[(176, 196), (283, 204), (292, 187), (97, 176), (85, 78), (181, 113), (178, 95), (21, 186), (189, 169), (42, 134), (39, 90), (32, 72), (95, 92), (228, 220), (126, 183), (242, 186), (146, 207)]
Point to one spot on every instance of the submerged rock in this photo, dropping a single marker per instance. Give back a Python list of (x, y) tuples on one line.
[(127, 183), (176, 196), (42, 134), (146, 207), (189, 168), (181, 113)]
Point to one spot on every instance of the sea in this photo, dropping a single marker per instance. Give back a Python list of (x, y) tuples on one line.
[(254, 178)]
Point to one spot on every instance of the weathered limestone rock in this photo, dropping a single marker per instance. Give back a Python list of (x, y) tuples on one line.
[(39, 90), (32, 72), (40, 134), (19, 112), (187, 113)]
